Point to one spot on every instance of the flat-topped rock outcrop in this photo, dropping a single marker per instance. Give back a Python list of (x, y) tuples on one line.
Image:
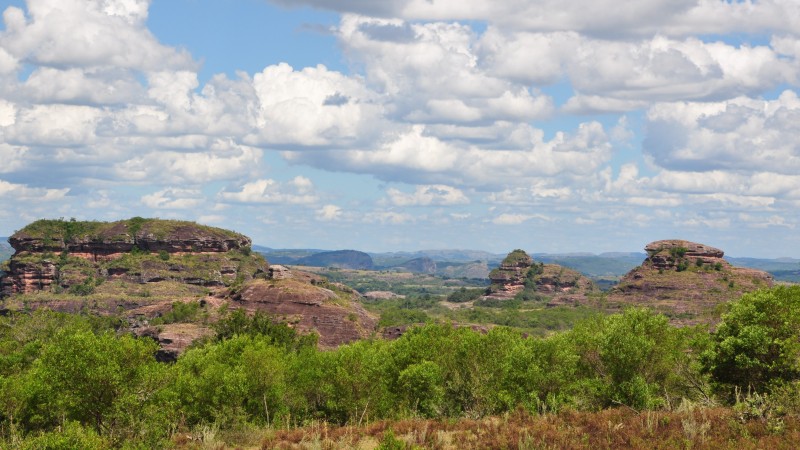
[(144, 270), (109, 240), (56, 255), (686, 280)]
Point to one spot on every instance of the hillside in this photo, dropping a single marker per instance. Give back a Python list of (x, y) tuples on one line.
[(518, 276), (170, 280), (686, 281)]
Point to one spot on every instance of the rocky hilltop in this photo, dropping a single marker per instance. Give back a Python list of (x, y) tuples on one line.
[(56, 255), (519, 274), (144, 270), (686, 281)]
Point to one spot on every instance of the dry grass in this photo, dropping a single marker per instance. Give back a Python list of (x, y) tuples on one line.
[(686, 428)]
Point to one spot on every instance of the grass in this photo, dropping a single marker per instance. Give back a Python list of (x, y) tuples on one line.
[(689, 427), (122, 230)]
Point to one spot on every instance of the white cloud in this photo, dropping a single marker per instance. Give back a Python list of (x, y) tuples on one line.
[(298, 191), (174, 198), (415, 156), (89, 33), (329, 213), (516, 219), (427, 195), (388, 217), (227, 163), (741, 134), (22, 192), (312, 107)]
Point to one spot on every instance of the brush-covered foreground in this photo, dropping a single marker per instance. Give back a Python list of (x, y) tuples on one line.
[(631, 379)]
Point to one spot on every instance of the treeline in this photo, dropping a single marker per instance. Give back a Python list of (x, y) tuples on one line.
[(73, 382)]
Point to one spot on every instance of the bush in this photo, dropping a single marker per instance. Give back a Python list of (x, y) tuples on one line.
[(757, 342), (464, 295)]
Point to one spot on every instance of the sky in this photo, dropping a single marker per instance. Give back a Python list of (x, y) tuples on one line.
[(400, 125)]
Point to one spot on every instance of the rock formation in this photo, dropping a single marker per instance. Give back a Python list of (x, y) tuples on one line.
[(519, 274), (329, 309), (59, 254), (139, 269), (686, 281)]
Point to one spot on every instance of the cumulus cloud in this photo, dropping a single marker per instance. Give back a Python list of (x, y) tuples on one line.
[(89, 33), (329, 213), (22, 192), (426, 195), (516, 219), (739, 134), (174, 198), (606, 18), (307, 107), (416, 156), (298, 191)]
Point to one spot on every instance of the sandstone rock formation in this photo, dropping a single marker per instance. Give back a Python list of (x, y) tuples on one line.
[(509, 279), (557, 284), (686, 281), (59, 254), (329, 309), (140, 269)]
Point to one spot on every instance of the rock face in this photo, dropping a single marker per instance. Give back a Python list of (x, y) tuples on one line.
[(518, 273), (58, 254), (509, 279), (686, 281), (143, 270), (329, 309)]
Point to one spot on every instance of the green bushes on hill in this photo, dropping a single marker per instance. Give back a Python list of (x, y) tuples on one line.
[(74, 374)]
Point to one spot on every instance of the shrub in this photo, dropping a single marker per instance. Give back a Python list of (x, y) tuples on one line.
[(757, 342), (464, 295)]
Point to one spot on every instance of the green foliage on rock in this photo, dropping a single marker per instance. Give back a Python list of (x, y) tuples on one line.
[(57, 232)]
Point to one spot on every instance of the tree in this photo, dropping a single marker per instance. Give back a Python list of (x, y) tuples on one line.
[(102, 381), (758, 341)]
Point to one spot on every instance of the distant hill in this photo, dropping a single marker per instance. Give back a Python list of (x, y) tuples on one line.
[(5, 252), (343, 259), (418, 265), (5, 249), (602, 265), (783, 269), (285, 255), (391, 259)]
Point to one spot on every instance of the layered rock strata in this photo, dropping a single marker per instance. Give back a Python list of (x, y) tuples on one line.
[(686, 280)]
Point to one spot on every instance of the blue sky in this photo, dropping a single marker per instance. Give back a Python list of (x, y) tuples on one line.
[(410, 124)]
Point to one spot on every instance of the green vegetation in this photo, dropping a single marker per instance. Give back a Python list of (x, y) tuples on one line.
[(464, 295), (515, 257), (56, 232), (757, 344), (73, 381), (181, 312), (402, 283)]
